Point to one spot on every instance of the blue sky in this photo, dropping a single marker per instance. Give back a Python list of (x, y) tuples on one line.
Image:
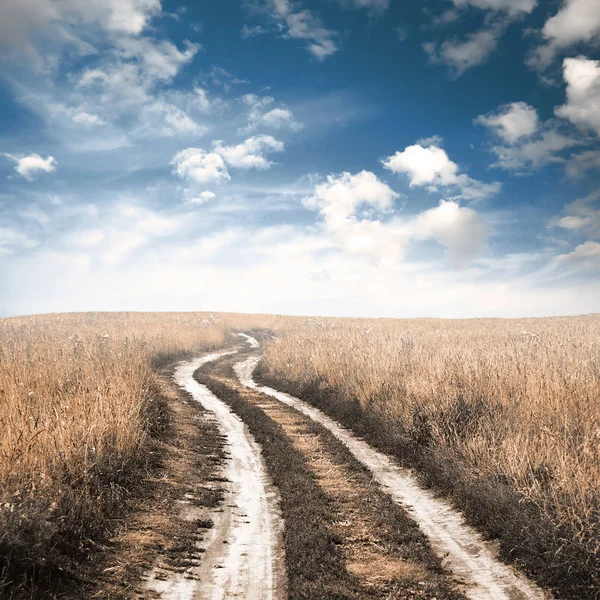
[(340, 157)]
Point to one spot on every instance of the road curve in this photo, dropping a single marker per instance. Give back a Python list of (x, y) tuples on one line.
[(244, 556), (466, 554)]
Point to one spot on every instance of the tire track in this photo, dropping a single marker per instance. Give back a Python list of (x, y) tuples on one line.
[(243, 555), (467, 554)]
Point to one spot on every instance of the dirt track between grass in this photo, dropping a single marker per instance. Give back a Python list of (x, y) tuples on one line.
[(241, 556), (466, 554)]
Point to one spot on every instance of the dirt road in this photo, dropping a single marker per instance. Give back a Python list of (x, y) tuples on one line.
[(467, 555), (242, 555)]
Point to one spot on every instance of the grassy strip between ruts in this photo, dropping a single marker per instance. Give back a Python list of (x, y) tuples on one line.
[(315, 557), (525, 537)]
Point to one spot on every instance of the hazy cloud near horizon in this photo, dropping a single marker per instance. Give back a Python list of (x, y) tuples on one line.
[(296, 157)]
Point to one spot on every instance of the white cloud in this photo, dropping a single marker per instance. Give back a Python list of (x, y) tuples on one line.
[(339, 199), (586, 257), (250, 153), (583, 93), (461, 55), (13, 239), (511, 121), (353, 209), (196, 165), (533, 153), (87, 238), (578, 164), (160, 60), (577, 21), (581, 217), (301, 24), (275, 118), (202, 197), (375, 6), (461, 230), (250, 32), (279, 118), (528, 144), (31, 166), (127, 89), (85, 118), (430, 166), (21, 20), (512, 7), (165, 119)]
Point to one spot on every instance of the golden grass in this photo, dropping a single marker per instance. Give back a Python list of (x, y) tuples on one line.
[(514, 401), (76, 412), (509, 401)]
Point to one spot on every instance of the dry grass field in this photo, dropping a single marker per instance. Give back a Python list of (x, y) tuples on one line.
[(502, 414), (77, 407)]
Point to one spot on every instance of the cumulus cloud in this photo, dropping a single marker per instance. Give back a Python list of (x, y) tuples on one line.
[(461, 230), (32, 165), (511, 121), (198, 166), (582, 77), (528, 144), (339, 199), (250, 154), (354, 210), (431, 167), (576, 21)]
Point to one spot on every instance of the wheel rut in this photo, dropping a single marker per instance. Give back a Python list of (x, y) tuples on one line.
[(345, 537), (241, 555)]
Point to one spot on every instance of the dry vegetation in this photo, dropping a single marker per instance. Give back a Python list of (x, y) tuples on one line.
[(502, 414), (77, 410)]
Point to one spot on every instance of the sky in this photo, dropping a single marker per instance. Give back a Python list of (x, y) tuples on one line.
[(378, 158)]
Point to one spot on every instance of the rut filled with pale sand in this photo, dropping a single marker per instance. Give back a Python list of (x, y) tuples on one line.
[(243, 555)]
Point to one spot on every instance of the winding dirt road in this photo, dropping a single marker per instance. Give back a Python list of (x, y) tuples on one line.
[(466, 554), (243, 556)]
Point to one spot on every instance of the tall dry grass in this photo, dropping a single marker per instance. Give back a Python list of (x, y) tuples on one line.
[(504, 414), (77, 410)]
